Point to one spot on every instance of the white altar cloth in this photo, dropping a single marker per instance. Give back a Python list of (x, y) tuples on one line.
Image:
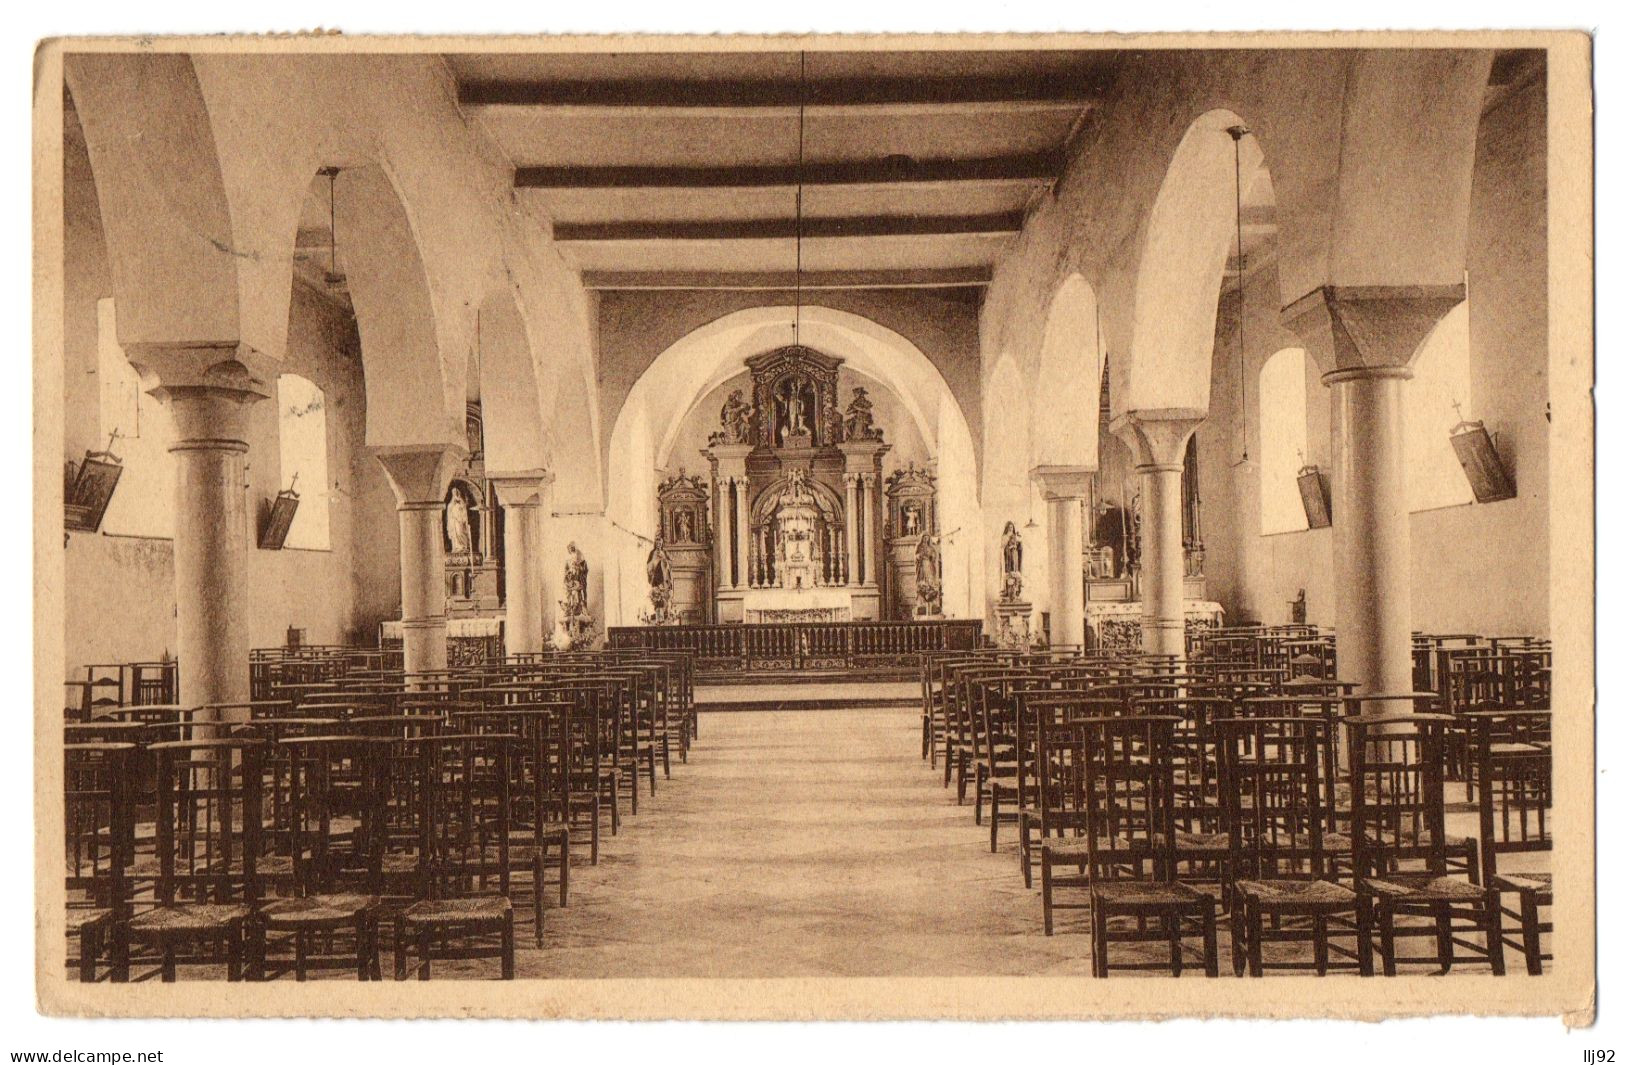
[(769, 605)]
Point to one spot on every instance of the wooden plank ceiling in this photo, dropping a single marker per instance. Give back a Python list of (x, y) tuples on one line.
[(678, 170)]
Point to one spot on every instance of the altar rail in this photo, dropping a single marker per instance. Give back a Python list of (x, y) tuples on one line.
[(721, 650)]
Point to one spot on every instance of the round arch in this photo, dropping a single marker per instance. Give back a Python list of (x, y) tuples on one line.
[(409, 399), (166, 219), (1066, 408), (649, 422), (1182, 263)]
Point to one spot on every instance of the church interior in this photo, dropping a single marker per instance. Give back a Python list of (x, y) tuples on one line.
[(696, 511)]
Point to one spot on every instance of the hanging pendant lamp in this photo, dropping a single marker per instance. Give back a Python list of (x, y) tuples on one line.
[(1236, 133)]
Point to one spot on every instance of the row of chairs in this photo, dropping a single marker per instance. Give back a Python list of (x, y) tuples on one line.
[(283, 834), (1217, 775), (108, 685)]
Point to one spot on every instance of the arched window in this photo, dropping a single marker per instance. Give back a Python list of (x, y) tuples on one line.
[(302, 424), (1437, 398), (1283, 431), (144, 502)]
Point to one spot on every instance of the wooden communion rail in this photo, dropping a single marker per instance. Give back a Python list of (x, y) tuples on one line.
[(855, 646)]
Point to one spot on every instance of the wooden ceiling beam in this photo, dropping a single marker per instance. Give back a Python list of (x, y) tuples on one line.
[(646, 280), (899, 170), (783, 94), (1008, 223)]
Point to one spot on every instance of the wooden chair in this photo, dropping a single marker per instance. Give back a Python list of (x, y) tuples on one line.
[(99, 803), (463, 855), (1512, 755), (208, 841), (1274, 802), (1128, 800), (1048, 833), (334, 839), (1396, 777)]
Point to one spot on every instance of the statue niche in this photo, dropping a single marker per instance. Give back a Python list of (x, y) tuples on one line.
[(795, 411)]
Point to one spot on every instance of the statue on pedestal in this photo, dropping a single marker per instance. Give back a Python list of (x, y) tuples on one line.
[(658, 569), (575, 627), (859, 426), (737, 414), (459, 535), (927, 578), (1011, 554)]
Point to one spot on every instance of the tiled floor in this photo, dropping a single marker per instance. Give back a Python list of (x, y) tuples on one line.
[(802, 844)]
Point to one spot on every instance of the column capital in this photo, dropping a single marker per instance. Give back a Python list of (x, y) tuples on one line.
[(1062, 482), (1368, 330), (1158, 437), (521, 488), (167, 368), (207, 388), (419, 473)]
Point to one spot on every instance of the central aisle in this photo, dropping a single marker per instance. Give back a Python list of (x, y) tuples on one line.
[(805, 843)]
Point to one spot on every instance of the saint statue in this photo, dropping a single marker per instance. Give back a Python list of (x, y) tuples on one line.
[(911, 518), (927, 577), (575, 583), (860, 418), (1012, 563), (797, 416), (458, 533), (658, 569), (736, 418), (685, 527)]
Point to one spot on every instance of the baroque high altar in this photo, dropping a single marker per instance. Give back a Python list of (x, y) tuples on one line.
[(798, 498)]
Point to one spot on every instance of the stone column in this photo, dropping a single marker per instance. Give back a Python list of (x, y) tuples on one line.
[(1364, 339), (1158, 438), (524, 499), (852, 527), (1064, 488), (724, 534), (419, 474), (866, 486), (208, 391), (743, 503)]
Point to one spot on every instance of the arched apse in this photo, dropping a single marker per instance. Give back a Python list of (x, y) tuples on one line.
[(1007, 490), (650, 420), (1182, 264), (165, 215), (1066, 414)]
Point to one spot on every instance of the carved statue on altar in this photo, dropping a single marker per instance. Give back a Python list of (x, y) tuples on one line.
[(859, 425), (459, 534), (927, 577), (911, 518), (737, 414), (797, 416), (1011, 554)]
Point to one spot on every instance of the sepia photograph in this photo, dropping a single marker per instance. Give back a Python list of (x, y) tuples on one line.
[(814, 527)]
